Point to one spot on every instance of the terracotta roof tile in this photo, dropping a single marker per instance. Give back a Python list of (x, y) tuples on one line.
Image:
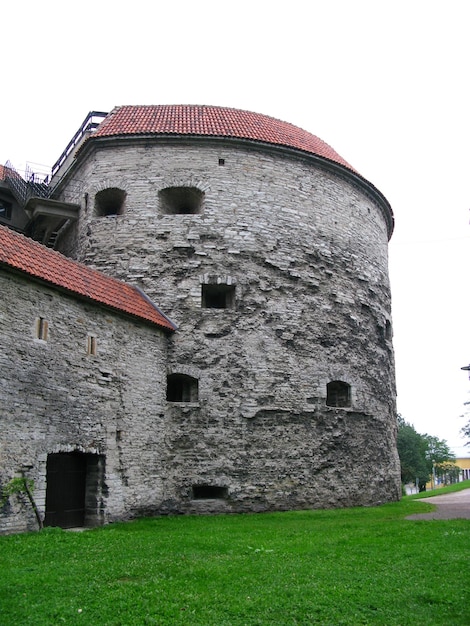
[(32, 258), (215, 122), (3, 172)]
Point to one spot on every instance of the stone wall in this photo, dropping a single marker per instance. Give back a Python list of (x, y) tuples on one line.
[(306, 250), (55, 397)]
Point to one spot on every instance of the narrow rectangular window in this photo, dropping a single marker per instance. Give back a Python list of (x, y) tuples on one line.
[(91, 345), (42, 327), (209, 492)]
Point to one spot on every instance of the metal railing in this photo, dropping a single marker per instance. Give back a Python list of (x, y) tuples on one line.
[(33, 185), (90, 123)]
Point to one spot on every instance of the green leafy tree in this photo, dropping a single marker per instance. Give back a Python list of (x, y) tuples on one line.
[(440, 460), (422, 455), (447, 472), (412, 452), (437, 450)]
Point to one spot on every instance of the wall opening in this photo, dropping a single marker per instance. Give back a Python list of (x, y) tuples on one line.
[(91, 345), (181, 200), (110, 202), (209, 492), (338, 394), (182, 388), (5, 210), (42, 328), (220, 296), (74, 485)]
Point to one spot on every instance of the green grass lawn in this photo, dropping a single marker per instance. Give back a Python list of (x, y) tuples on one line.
[(349, 566)]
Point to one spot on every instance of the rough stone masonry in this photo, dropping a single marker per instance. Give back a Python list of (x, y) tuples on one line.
[(277, 390)]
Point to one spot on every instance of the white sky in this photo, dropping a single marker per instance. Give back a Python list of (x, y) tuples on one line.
[(385, 83)]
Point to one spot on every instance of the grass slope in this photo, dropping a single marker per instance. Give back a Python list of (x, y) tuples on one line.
[(349, 566)]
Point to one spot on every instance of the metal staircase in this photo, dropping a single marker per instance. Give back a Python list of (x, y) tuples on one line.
[(31, 186), (34, 192)]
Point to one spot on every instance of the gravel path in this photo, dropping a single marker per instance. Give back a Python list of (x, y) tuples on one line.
[(450, 506)]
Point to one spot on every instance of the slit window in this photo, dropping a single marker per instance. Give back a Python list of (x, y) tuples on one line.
[(110, 202), (182, 388), (181, 200), (209, 492), (91, 345), (42, 328), (338, 394), (218, 296)]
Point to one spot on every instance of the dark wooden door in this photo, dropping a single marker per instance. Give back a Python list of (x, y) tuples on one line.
[(65, 493)]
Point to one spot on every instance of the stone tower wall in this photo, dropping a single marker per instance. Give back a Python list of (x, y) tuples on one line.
[(307, 252)]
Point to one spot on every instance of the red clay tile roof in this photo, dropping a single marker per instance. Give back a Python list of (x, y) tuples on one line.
[(32, 258), (214, 122), (3, 172)]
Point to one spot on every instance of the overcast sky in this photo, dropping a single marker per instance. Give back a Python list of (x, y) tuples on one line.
[(385, 83)]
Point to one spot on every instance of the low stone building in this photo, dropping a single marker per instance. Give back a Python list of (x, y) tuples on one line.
[(269, 252), (83, 365)]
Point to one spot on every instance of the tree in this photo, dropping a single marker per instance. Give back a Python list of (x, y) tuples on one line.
[(465, 430), (447, 472), (412, 452), (422, 455), (440, 460), (437, 450)]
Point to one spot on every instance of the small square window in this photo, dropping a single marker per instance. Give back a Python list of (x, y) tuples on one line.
[(182, 388), (220, 296), (181, 200)]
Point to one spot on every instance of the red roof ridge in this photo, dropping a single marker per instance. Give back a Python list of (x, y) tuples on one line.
[(30, 257), (212, 121)]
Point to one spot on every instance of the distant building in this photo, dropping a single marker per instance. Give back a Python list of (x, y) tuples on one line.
[(463, 464), (269, 386)]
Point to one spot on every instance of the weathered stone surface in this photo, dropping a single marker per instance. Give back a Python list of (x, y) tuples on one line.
[(57, 398), (306, 250)]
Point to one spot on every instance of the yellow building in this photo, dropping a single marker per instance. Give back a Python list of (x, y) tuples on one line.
[(445, 473), (463, 464)]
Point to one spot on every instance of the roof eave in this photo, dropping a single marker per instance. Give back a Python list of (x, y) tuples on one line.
[(53, 285)]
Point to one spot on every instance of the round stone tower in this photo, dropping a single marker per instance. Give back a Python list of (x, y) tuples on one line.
[(269, 252)]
